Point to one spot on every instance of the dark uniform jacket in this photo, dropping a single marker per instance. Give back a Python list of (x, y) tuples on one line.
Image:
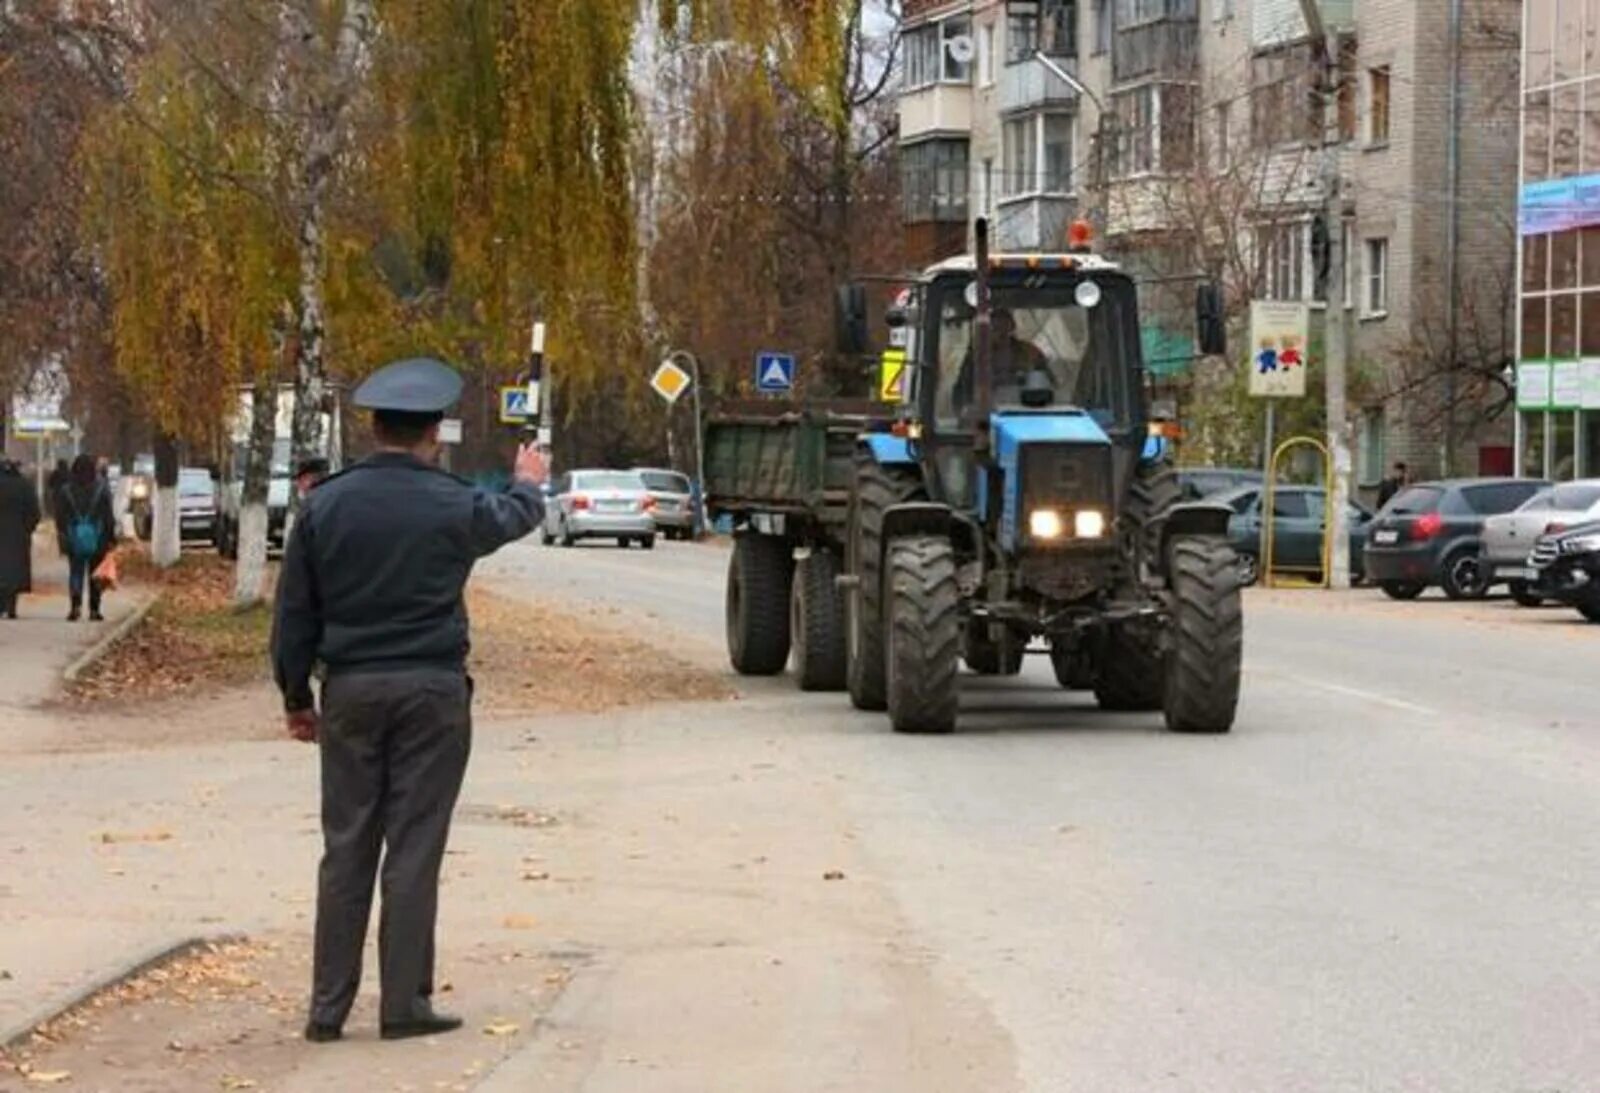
[(375, 566)]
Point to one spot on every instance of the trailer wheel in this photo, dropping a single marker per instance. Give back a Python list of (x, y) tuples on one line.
[(1207, 637), (983, 654), (816, 622), (924, 640), (1129, 676), (758, 604), (876, 488), (1074, 667)]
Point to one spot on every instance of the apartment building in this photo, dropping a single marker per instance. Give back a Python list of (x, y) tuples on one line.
[(1196, 140), (1558, 353)]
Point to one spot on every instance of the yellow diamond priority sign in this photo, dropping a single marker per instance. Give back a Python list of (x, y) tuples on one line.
[(670, 381)]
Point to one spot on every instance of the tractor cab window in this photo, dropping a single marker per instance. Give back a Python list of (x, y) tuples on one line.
[(1035, 333)]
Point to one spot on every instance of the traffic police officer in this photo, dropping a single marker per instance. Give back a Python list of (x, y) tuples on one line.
[(371, 589)]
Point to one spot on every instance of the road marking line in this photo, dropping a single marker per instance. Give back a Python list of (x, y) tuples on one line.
[(1357, 692)]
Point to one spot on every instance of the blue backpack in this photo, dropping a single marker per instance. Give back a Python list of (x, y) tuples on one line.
[(83, 533)]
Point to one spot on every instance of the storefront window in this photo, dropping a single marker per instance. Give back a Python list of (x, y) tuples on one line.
[(1536, 137), (1533, 445), (1564, 260), (1535, 324), (1589, 325), (1563, 327), (1565, 112), (1536, 263), (1591, 257), (1563, 452), (1591, 446)]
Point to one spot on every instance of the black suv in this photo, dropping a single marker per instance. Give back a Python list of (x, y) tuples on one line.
[(1431, 534), (1568, 564)]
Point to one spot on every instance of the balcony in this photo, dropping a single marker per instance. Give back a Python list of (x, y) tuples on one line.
[(1029, 85), (942, 108), (1037, 222), (1279, 22), (1160, 49)]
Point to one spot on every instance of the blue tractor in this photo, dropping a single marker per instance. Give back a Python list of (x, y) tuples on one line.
[(1014, 497)]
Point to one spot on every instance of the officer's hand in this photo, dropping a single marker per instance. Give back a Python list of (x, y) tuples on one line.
[(531, 466), (303, 726)]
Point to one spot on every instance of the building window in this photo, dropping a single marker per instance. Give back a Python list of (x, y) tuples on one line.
[(1281, 260), (1378, 97), (1131, 13), (939, 53), (1155, 129), (1221, 10), (1281, 86), (1021, 156), (1051, 26), (1369, 468), (1102, 27), (1219, 145), (1057, 137), (1377, 276), (956, 47), (933, 178)]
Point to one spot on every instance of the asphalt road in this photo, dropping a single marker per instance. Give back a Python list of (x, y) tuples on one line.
[(1387, 877)]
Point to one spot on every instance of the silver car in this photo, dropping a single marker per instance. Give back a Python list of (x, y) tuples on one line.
[(1509, 537), (600, 505), (674, 501)]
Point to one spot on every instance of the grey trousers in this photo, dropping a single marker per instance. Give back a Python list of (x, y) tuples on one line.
[(394, 748)]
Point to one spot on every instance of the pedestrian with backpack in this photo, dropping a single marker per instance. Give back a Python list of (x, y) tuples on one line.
[(86, 531)]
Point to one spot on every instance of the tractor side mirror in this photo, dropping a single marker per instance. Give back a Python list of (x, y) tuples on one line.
[(850, 319), (1211, 328)]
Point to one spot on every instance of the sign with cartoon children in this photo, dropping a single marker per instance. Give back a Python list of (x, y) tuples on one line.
[(1278, 348)]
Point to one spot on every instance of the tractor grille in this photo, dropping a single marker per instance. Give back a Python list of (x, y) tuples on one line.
[(1067, 476)]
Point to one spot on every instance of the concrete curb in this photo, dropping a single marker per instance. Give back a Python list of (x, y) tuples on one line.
[(17, 1034), (121, 630)]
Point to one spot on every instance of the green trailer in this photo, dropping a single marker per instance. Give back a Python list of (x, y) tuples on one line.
[(781, 472)]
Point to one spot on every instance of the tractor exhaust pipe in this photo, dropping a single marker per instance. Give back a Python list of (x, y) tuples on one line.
[(983, 387)]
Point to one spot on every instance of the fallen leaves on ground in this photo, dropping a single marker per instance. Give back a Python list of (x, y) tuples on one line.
[(500, 1028), (519, 922), (525, 656), (48, 1077), (193, 640), (160, 835), (533, 656)]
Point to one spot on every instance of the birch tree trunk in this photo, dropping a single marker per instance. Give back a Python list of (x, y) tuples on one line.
[(165, 544), (322, 142), (250, 537)]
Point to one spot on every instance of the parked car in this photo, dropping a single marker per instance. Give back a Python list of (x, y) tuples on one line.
[(1432, 534), (1198, 482), (674, 498), (596, 504), (1298, 526), (1566, 565), (1509, 537), (197, 504)]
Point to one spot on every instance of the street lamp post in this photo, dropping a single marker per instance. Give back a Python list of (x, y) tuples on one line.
[(688, 359)]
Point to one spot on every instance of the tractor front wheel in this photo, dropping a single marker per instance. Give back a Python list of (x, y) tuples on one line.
[(877, 487), (1207, 637), (924, 639)]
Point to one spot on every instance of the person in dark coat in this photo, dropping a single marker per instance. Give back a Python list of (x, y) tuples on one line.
[(60, 474), (1392, 485), (86, 531), (371, 589), (19, 515)]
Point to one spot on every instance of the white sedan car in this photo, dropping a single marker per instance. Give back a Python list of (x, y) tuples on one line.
[(1508, 538)]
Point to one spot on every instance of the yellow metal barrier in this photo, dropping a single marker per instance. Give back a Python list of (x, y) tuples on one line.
[(1267, 505)]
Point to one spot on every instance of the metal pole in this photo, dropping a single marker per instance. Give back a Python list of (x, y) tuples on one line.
[(1262, 550), (699, 424), (1337, 347), (1452, 242)]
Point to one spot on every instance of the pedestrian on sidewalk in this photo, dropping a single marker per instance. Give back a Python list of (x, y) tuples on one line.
[(19, 515), (86, 531), (1399, 480), (371, 588)]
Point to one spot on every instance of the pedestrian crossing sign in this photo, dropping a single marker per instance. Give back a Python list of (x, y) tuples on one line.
[(892, 376), (774, 373), (670, 381), (514, 405)]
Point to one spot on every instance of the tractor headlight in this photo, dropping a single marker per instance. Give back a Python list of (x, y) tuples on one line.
[(1088, 523), (140, 490), (1045, 524)]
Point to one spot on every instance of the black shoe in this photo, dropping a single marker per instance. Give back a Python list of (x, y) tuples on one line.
[(319, 1033), (95, 616), (422, 1022), (74, 615)]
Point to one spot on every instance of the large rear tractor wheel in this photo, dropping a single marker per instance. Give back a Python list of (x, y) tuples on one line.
[(816, 622), (988, 657), (1129, 674), (877, 487), (758, 604), (1202, 691), (924, 639)]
